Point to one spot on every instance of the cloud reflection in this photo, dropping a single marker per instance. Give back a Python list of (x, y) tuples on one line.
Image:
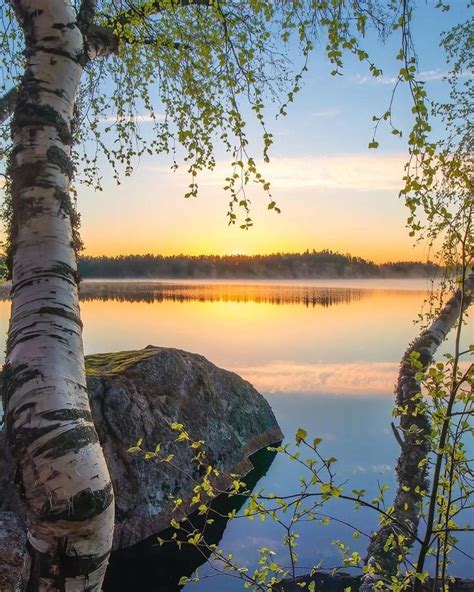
[(361, 379)]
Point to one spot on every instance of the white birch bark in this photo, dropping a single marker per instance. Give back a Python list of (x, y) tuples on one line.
[(62, 472)]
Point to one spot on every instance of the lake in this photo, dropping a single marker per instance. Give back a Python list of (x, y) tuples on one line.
[(325, 355)]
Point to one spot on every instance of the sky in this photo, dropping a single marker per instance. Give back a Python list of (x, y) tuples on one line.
[(334, 193)]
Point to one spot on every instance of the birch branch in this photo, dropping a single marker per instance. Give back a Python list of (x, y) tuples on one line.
[(103, 41)]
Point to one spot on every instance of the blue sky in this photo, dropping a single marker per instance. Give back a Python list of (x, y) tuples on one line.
[(333, 191)]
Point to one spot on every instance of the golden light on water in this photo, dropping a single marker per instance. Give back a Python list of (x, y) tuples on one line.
[(283, 339), (312, 339)]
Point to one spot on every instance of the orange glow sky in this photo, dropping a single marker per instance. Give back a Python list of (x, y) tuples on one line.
[(333, 191), (344, 202)]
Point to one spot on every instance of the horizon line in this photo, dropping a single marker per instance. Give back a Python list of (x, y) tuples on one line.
[(258, 255)]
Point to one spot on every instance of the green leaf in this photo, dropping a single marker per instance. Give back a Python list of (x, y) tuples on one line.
[(300, 435)]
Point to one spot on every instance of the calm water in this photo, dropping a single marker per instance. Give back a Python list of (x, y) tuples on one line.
[(325, 354)]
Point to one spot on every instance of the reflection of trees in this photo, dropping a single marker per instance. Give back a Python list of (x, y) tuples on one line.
[(153, 292), (149, 567), (143, 291)]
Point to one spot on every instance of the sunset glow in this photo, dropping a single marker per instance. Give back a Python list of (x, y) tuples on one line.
[(346, 203)]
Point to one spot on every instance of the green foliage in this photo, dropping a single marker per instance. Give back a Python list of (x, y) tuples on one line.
[(197, 74)]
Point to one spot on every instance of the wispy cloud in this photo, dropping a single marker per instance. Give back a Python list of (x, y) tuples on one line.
[(326, 113), (437, 74), (359, 379), (381, 468), (424, 75), (355, 172), (368, 79), (356, 379), (137, 118)]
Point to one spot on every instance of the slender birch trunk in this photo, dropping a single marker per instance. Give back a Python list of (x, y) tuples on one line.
[(62, 474), (412, 473)]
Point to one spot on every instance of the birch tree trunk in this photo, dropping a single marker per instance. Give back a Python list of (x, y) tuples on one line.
[(62, 473), (412, 472)]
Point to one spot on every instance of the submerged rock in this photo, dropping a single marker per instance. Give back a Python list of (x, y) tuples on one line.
[(135, 396)]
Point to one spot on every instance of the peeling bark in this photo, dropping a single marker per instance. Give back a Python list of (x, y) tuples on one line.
[(415, 428), (62, 473)]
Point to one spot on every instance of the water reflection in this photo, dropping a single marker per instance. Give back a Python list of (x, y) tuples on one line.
[(325, 356), (153, 291), (181, 292), (150, 567)]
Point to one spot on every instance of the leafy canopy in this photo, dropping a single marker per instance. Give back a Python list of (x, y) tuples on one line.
[(197, 72)]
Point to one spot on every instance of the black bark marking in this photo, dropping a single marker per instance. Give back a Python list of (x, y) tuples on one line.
[(58, 565), (60, 312), (56, 51), (22, 408), (67, 415), (69, 441), (26, 175), (85, 505), (14, 334), (29, 115), (27, 18), (40, 335), (15, 377), (58, 157), (59, 269), (23, 438), (66, 271), (63, 26)]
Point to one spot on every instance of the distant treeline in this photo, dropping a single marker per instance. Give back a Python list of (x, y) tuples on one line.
[(311, 264)]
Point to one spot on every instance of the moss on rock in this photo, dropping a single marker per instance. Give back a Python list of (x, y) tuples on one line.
[(115, 363)]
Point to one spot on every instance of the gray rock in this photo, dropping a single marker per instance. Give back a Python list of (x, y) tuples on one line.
[(14, 559), (137, 395)]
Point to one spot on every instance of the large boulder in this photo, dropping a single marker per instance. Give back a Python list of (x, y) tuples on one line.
[(135, 396)]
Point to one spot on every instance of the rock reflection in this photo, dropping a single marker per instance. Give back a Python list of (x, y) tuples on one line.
[(149, 567)]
